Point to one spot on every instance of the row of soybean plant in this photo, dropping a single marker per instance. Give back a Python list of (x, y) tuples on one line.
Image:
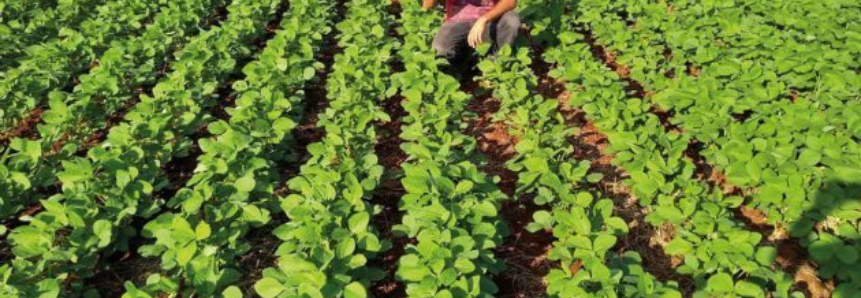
[(799, 151), (775, 110), (71, 118), (584, 227), (813, 52), (739, 78), (451, 208), (655, 39), (716, 249), (61, 246), (54, 64), (816, 27), (24, 24), (203, 234), (329, 239)]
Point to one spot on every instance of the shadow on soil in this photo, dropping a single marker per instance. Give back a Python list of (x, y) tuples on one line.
[(834, 206)]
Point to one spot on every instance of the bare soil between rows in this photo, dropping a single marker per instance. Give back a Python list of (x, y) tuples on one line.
[(388, 194)]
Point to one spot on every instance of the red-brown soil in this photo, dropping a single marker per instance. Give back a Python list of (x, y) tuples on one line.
[(26, 127), (388, 194), (524, 253), (791, 256)]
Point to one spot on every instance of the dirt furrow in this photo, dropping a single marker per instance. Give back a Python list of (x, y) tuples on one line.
[(524, 253), (388, 194), (26, 127)]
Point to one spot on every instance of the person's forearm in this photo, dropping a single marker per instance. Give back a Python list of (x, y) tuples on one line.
[(428, 4), (498, 10)]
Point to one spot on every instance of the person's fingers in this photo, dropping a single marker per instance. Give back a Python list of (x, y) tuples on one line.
[(474, 37), (471, 38)]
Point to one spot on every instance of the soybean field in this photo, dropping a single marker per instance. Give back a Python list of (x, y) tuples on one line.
[(319, 148)]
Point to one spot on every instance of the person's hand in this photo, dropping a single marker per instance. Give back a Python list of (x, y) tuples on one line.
[(476, 33), (428, 4)]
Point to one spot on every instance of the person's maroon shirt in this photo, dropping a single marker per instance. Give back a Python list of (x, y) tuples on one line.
[(467, 10)]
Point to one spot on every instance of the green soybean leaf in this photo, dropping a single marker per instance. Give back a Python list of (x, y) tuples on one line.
[(542, 220), (416, 273), (848, 254), (749, 289), (268, 287), (464, 265), (595, 177), (359, 222), (186, 253), (463, 187), (245, 184), (308, 73), (679, 247), (721, 283), (603, 242), (355, 290), (766, 255), (203, 230), (232, 292), (809, 158), (102, 229)]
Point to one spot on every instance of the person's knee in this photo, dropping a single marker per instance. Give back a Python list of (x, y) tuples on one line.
[(507, 29), (510, 21), (444, 49)]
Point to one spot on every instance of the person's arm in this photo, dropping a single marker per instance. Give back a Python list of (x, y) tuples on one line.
[(428, 4), (498, 10), (475, 34)]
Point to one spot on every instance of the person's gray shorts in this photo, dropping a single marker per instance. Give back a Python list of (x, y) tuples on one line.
[(452, 36)]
